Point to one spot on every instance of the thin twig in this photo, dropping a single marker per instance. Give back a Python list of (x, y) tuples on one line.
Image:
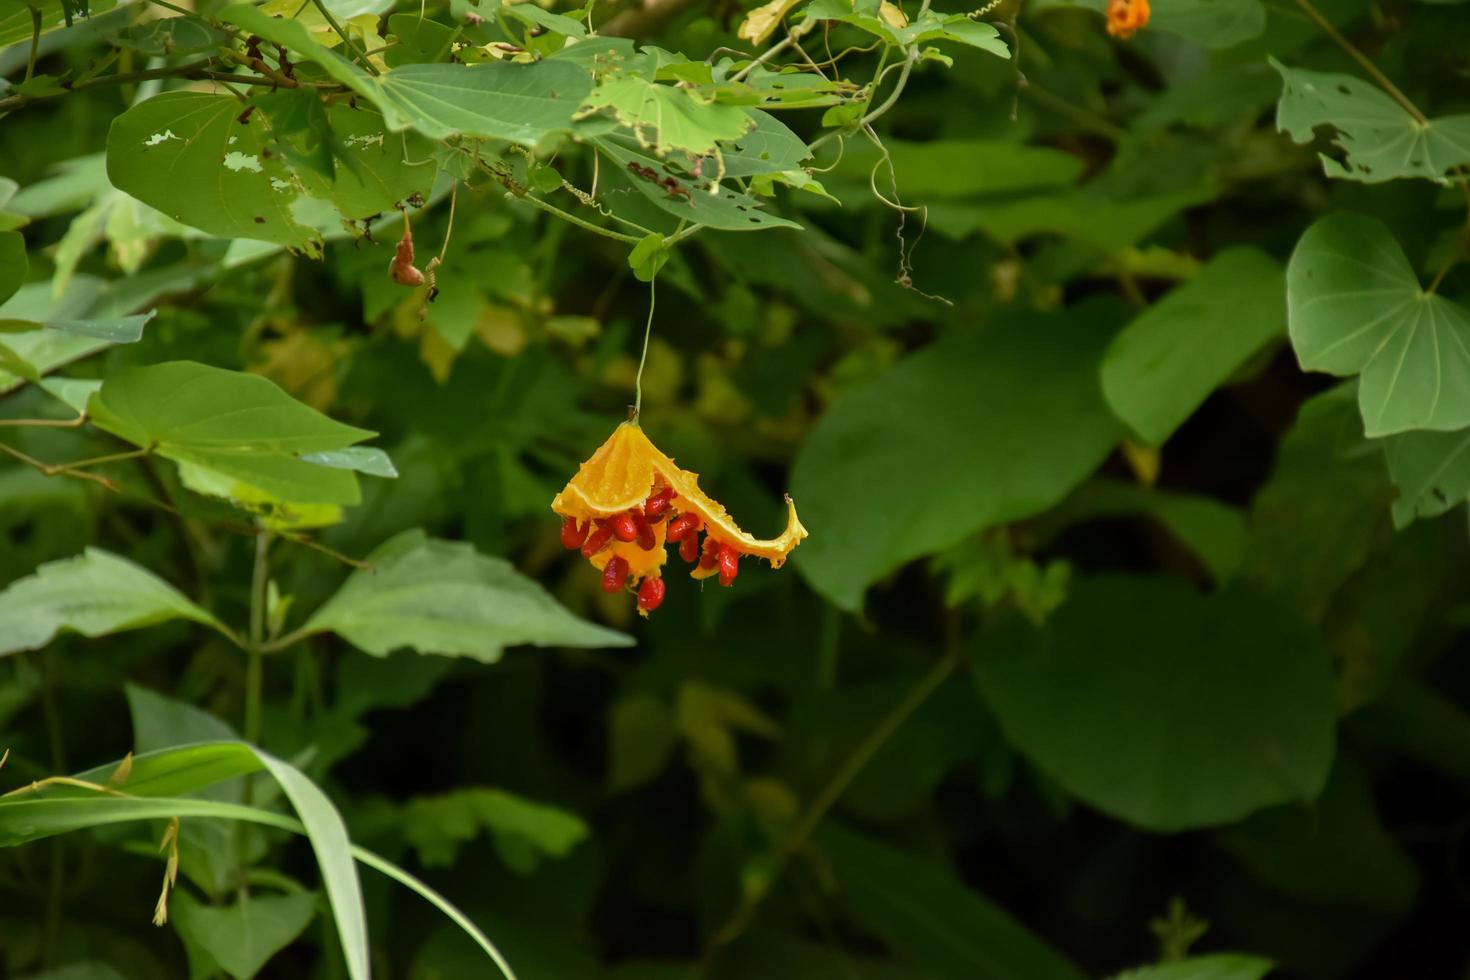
[(1362, 59), (828, 796)]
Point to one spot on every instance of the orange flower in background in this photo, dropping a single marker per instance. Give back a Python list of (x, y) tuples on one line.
[(1125, 17), (629, 500)]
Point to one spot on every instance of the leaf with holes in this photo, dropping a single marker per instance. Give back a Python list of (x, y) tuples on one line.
[(1431, 471), (685, 198), (1354, 305), (188, 155), (666, 118), (1380, 139)]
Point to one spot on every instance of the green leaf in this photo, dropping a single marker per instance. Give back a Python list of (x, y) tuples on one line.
[(188, 155), (375, 169), (930, 918), (1380, 139), (1336, 852), (116, 330), (1354, 305), (1164, 364), (641, 738), (94, 594), (499, 100), (13, 263), (648, 256), (984, 427), (15, 21), (233, 435), (1217, 966), (523, 831), (768, 147), (1165, 708), (666, 118), (360, 459), (446, 598), (725, 210), (157, 775), (242, 937), (1431, 471)]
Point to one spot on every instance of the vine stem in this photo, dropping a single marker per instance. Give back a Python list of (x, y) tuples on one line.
[(643, 358), (1362, 59), (830, 793)]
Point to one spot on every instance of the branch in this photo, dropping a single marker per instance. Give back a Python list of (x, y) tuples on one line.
[(194, 69)]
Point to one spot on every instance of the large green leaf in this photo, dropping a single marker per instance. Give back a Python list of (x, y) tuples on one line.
[(932, 920), (984, 427), (1380, 139), (189, 155), (499, 100), (1163, 365), (444, 597), (1163, 707), (233, 435), (1354, 305), (94, 594), (241, 937)]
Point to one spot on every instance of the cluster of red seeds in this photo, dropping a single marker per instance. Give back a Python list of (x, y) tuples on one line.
[(591, 537)]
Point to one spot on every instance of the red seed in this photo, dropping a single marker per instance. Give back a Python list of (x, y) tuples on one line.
[(711, 553), (685, 524), (689, 548), (623, 527), (597, 540), (658, 503), (646, 540), (615, 573), (651, 594), (729, 561), (573, 534)]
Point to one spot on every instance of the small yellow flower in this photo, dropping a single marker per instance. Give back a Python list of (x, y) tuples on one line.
[(629, 500), (1125, 17)]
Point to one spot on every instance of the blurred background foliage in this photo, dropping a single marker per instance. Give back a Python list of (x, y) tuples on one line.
[(1116, 640)]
